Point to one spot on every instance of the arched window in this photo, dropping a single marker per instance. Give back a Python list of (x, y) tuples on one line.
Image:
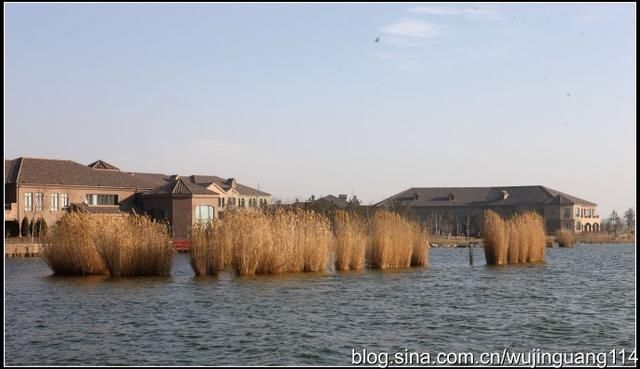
[(204, 213)]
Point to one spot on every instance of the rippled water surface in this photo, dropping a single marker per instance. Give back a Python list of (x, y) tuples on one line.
[(580, 299)]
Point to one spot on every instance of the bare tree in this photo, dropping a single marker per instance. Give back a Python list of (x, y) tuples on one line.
[(613, 223), (630, 219)]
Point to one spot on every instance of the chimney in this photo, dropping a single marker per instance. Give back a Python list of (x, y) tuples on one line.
[(174, 177), (342, 197)]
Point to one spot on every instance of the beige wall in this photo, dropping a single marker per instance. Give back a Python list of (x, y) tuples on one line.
[(76, 195), (564, 216)]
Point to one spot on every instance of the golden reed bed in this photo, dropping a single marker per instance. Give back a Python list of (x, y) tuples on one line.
[(519, 239), (297, 240), (120, 246)]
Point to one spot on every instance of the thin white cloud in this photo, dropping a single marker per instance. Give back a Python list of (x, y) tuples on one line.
[(474, 12), (409, 27)]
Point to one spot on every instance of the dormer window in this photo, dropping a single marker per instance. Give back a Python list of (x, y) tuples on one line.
[(451, 196), (415, 196), (231, 182), (504, 194)]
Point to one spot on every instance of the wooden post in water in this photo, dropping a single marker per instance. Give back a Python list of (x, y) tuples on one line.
[(470, 254)]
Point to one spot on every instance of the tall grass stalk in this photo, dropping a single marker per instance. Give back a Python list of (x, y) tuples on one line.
[(565, 238), (351, 238), (70, 249), (520, 239), (121, 246), (252, 241), (391, 244)]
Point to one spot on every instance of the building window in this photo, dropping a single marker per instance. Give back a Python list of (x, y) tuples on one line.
[(39, 201), (204, 213), (54, 202), (577, 212), (28, 205), (242, 203), (566, 212), (232, 201), (64, 200), (98, 199), (578, 226)]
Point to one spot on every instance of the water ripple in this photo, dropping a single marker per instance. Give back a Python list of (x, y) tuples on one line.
[(580, 299)]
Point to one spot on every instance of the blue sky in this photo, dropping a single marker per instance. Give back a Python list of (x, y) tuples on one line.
[(300, 99)]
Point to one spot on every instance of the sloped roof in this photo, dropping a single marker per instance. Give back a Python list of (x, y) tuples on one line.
[(225, 185), (179, 186), (11, 170), (477, 196), (67, 172), (99, 164), (562, 198)]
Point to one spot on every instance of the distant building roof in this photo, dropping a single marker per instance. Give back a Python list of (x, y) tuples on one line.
[(341, 203), (100, 173), (99, 164), (179, 186), (481, 196), (67, 172), (226, 184)]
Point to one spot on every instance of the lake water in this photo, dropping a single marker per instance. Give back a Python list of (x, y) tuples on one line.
[(580, 299)]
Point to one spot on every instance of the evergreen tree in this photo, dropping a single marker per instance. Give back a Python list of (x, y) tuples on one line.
[(24, 227)]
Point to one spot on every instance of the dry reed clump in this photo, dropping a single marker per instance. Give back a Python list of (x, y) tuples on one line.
[(210, 249), (252, 241), (565, 238), (122, 246), (520, 239), (351, 238), (420, 251), (69, 248), (392, 241), (314, 237)]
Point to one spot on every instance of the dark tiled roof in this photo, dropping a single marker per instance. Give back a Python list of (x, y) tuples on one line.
[(477, 196), (226, 185), (157, 178), (99, 164), (66, 172), (11, 168), (178, 186), (563, 198)]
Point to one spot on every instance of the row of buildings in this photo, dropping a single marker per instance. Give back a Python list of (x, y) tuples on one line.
[(46, 188)]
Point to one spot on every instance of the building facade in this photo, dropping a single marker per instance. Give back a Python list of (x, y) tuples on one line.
[(459, 210), (45, 188)]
